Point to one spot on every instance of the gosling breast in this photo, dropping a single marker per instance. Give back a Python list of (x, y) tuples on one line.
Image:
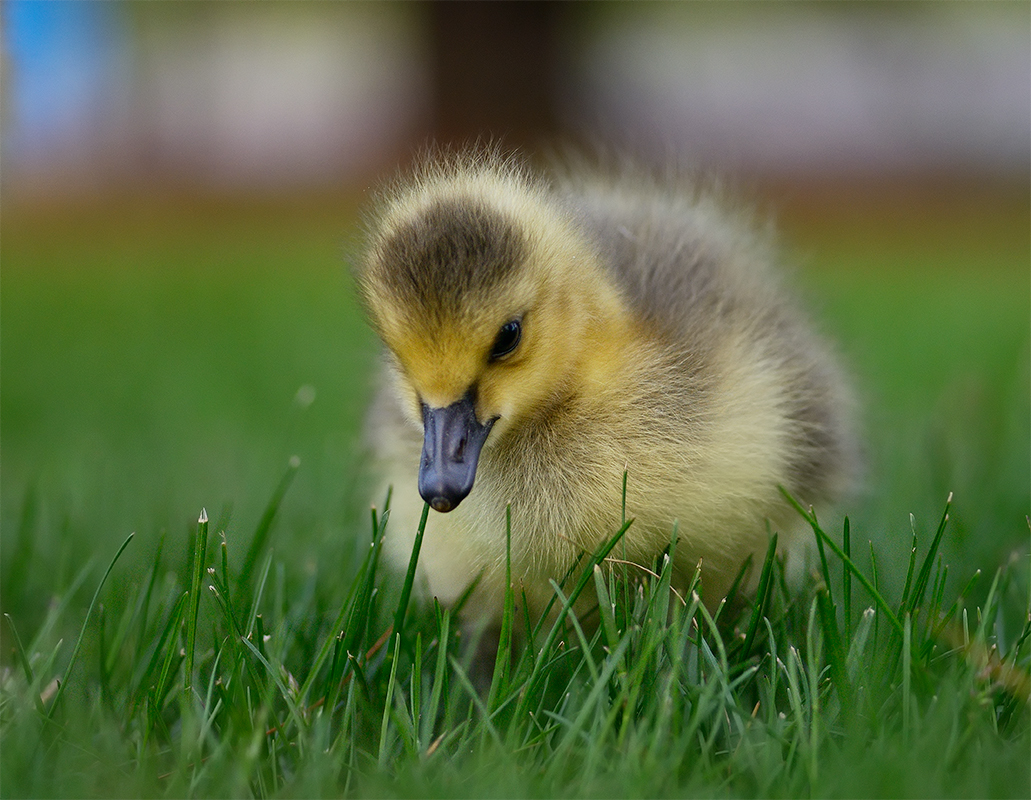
[(544, 335)]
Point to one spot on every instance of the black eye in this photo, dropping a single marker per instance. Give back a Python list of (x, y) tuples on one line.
[(507, 339)]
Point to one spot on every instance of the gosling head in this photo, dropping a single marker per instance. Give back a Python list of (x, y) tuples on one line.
[(474, 281)]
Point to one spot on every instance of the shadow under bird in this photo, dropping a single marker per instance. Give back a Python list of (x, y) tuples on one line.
[(547, 333)]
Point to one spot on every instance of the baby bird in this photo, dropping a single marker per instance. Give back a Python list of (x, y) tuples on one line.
[(544, 335)]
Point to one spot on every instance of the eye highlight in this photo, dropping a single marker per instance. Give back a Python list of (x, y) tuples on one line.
[(507, 339)]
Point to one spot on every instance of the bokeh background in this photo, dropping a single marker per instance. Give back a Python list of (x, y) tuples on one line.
[(305, 95), (181, 185)]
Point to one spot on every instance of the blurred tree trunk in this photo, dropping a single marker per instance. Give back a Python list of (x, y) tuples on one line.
[(494, 70)]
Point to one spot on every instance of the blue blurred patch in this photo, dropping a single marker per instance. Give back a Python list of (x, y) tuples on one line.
[(65, 69)]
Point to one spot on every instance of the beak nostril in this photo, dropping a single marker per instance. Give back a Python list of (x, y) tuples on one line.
[(441, 504)]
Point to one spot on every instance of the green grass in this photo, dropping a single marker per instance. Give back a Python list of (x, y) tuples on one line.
[(158, 361)]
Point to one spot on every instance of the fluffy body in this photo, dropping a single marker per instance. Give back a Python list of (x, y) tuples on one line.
[(656, 340)]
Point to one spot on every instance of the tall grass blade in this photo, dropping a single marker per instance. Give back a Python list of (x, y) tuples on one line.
[(735, 586), (857, 648), (606, 609), (344, 636), (259, 593), (437, 692), (835, 647), (907, 675), (876, 585), (622, 519), (224, 550), (486, 726), (824, 567), (359, 611), (585, 646), (925, 568), (849, 564), (274, 673), (85, 624), (200, 546), (413, 562), (19, 651), (904, 605), (941, 577), (585, 576), (503, 659), (846, 579), (23, 662), (261, 533), (166, 645), (762, 596), (388, 703), (989, 610), (599, 688), (332, 644), (141, 612), (957, 604)]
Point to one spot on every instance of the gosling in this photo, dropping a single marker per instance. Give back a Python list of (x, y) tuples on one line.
[(546, 335)]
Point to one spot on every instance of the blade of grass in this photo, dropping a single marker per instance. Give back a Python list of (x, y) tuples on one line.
[(907, 675), (261, 533), (846, 579), (429, 719), (835, 648), (549, 642), (23, 660), (762, 596), (200, 546), (849, 564), (904, 604), (166, 644), (359, 677), (224, 550), (956, 604), (606, 609), (989, 610), (486, 727), (359, 612), (144, 611), (599, 688), (19, 652), (415, 694), (503, 659), (413, 562), (735, 587), (274, 673), (941, 576), (877, 586), (857, 647), (85, 623), (344, 637), (387, 704), (925, 568), (824, 568), (585, 646)]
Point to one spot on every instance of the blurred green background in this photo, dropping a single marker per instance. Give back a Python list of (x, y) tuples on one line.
[(181, 189)]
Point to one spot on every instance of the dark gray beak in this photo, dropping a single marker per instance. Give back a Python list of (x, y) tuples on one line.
[(451, 447)]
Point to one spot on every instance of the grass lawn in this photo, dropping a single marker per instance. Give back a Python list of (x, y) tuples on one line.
[(160, 358)]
